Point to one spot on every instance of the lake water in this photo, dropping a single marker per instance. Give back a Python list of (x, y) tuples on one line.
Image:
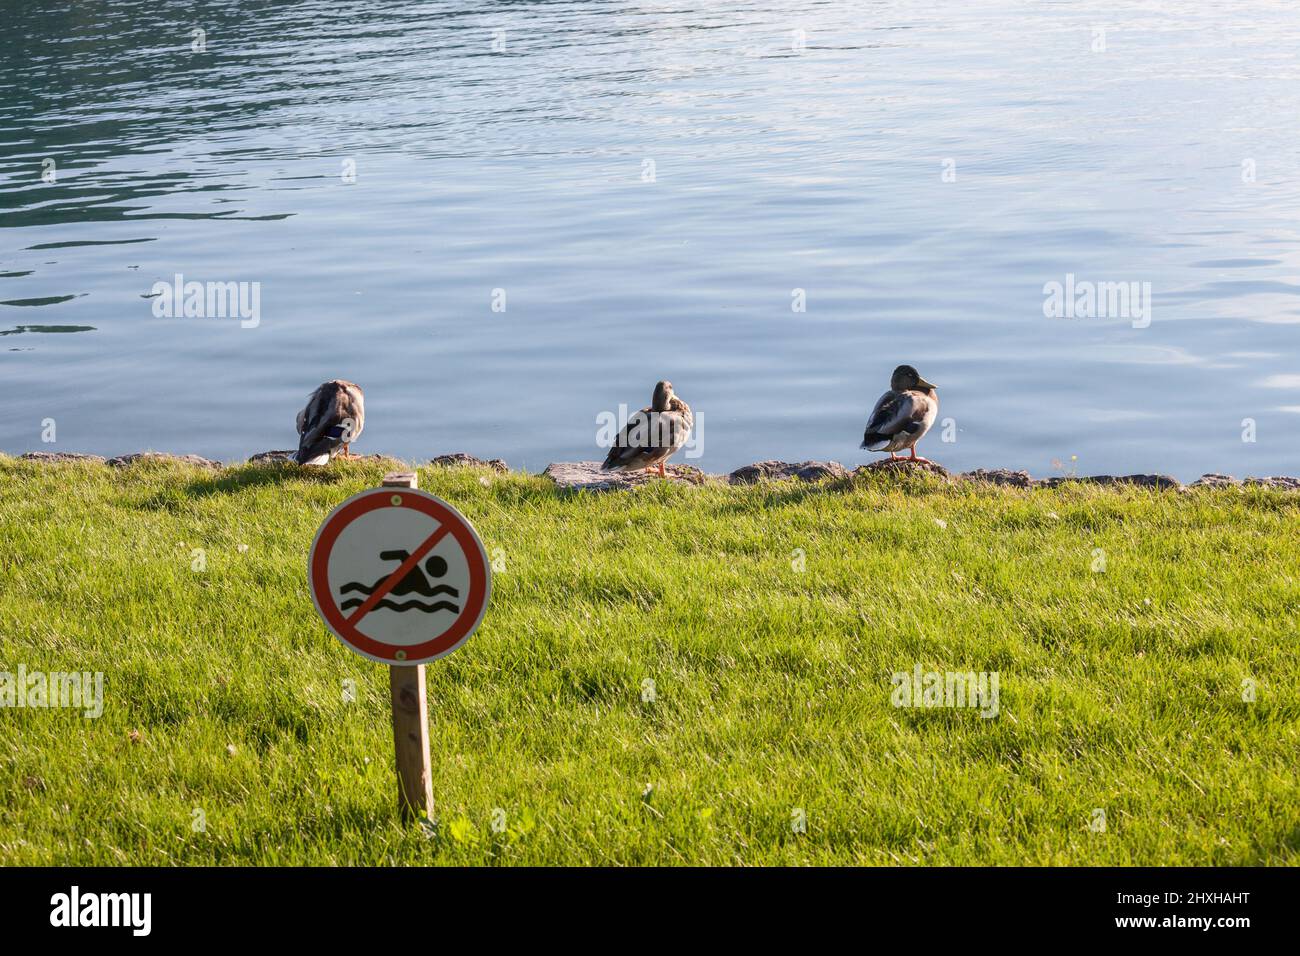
[(646, 186)]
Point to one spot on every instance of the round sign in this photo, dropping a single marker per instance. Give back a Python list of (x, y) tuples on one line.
[(399, 575)]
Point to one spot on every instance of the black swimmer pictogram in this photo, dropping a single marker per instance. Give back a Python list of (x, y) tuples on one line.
[(414, 583)]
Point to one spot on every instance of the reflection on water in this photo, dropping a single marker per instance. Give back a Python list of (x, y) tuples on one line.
[(505, 219), (39, 300), (18, 330)]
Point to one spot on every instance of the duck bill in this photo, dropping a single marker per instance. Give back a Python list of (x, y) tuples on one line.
[(924, 384)]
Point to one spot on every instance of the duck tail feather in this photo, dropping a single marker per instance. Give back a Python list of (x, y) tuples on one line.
[(317, 450)]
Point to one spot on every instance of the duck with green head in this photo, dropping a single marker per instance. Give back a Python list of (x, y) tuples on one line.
[(902, 415)]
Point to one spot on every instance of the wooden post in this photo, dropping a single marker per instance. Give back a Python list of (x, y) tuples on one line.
[(410, 717)]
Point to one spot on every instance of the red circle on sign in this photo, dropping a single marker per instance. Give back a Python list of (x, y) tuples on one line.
[(450, 522)]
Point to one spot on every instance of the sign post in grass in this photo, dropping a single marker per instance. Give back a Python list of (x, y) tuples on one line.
[(410, 716), (402, 578)]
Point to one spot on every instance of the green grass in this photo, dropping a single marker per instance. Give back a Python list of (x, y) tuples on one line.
[(1119, 690)]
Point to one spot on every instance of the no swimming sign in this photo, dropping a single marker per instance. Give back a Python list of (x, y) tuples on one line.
[(399, 575)]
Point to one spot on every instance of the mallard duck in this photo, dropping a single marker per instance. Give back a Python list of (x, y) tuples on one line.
[(332, 420), (651, 435), (903, 414)]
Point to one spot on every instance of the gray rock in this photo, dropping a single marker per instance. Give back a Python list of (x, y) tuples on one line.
[(904, 466), (460, 459), (284, 454), (58, 457), (587, 476), (1213, 480), (1157, 482), (778, 470), (1000, 476), (122, 461), (1282, 482)]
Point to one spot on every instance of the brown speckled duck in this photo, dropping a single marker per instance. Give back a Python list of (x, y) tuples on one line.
[(902, 415), (652, 435), (332, 420)]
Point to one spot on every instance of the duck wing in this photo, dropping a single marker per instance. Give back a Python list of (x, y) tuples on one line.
[(897, 417), (893, 413), (630, 449)]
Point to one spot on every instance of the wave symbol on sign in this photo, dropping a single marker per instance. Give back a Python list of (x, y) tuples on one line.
[(415, 583)]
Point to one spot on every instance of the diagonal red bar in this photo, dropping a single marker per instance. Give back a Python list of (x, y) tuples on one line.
[(392, 580)]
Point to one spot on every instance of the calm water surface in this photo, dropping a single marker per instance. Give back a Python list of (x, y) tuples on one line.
[(649, 183)]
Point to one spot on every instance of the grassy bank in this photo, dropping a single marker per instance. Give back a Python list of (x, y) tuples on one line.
[(1120, 690)]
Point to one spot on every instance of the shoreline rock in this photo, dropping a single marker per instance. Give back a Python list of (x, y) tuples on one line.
[(779, 470), (587, 476), (1277, 481), (461, 460), (904, 466), (262, 457), (58, 457), (121, 461), (1000, 476), (1159, 482)]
